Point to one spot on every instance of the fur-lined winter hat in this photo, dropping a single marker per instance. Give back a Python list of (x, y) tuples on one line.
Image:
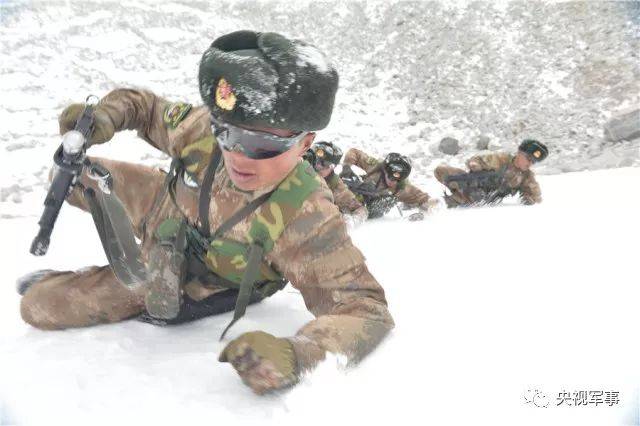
[(266, 79)]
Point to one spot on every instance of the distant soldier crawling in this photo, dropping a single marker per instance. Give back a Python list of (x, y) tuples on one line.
[(325, 156), (492, 177), (384, 184)]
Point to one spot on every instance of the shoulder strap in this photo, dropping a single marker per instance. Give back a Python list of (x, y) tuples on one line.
[(271, 219), (249, 278), (282, 206), (205, 192), (381, 180), (332, 181), (241, 214)]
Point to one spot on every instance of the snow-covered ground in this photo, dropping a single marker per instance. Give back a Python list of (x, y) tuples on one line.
[(410, 72), (489, 303)]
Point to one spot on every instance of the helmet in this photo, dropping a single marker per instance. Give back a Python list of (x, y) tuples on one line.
[(397, 166), (325, 153), (535, 150), (310, 156)]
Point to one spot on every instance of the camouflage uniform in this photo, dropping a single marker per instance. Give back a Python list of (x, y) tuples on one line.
[(314, 251), (520, 181), (404, 191), (345, 199)]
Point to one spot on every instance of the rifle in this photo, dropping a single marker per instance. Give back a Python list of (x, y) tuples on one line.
[(378, 202), (482, 187), (69, 160), (109, 215)]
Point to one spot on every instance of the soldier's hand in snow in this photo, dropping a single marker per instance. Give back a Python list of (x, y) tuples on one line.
[(414, 217), (264, 362), (474, 166), (430, 205), (103, 126), (527, 201)]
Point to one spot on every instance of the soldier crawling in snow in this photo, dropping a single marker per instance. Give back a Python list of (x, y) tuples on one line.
[(325, 156), (491, 177), (238, 215), (384, 184)]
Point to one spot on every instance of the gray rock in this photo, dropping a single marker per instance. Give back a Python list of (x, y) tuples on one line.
[(626, 162), (623, 127), (449, 146), (482, 142)]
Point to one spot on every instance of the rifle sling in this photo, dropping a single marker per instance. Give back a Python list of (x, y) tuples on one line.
[(117, 238), (238, 216), (246, 285), (255, 252)]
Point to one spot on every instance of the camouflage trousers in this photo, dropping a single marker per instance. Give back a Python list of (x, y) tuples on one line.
[(457, 198), (93, 295)]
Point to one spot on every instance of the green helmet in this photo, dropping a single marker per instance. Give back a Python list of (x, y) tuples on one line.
[(535, 150), (397, 166)]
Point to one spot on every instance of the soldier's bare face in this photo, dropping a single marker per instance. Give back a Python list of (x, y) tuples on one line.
[(251, 175), (522, 161)]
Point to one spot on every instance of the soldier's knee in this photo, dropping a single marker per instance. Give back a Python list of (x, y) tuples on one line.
[(37, 311), (440, 173)]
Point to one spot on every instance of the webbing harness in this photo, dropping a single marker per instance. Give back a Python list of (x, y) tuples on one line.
[(198, 240), (194, 244), (124, 255)]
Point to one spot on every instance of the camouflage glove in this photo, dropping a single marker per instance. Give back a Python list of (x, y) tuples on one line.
[(430, 205), (474, 166), (103, 130), (527, 201), (264, 362)]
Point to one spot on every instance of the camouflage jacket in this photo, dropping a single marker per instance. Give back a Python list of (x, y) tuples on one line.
[(345, 199), (523, 182), (405, 191), (314, 253)]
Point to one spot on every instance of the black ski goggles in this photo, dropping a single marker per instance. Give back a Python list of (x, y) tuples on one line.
[(396, 176), (254, 144), (395, 172)]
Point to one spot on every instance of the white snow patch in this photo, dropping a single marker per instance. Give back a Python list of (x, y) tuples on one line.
[(548, 303), (552, 80), (106, 42), (166, 35)]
